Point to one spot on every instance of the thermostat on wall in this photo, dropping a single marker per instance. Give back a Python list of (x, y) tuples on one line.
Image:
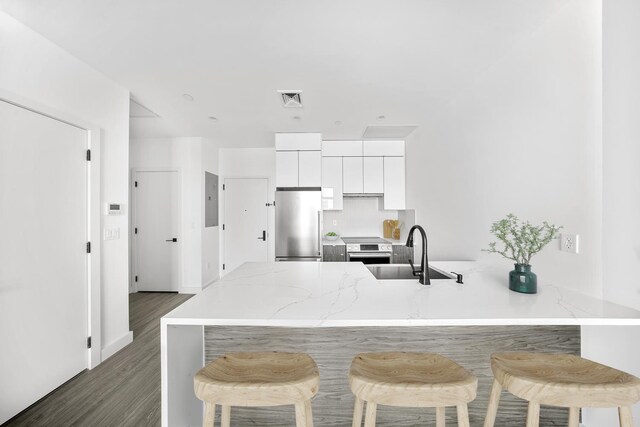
[(114, 208)]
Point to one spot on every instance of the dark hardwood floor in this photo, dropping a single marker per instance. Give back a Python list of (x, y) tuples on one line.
[(122, 391)]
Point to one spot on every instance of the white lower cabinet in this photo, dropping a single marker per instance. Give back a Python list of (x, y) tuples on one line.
[(373, 175), (352, 179), (332, 183), (394, 183)]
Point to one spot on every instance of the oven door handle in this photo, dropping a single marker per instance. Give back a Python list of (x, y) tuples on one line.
[(370, 254)]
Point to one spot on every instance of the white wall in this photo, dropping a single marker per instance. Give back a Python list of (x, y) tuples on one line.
[(210, 235), (523, 137), (34, 68), (245, 163), (619, 346), (190, 156), (621, 154)]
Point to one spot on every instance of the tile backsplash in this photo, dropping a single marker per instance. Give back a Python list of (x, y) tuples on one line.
[(363, 216)]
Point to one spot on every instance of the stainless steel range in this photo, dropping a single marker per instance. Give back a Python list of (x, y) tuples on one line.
[(368, 250)]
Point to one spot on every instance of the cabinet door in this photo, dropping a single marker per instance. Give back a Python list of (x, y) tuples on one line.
[(352, 175), (331, 253), (286, 168), (402, 254), (295, 141), (394, 183), (309, 169), (332, 183), (342, 148), (373, 175), (383, 148)]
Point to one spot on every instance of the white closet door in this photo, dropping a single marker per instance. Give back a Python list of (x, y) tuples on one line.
[(43, 278)]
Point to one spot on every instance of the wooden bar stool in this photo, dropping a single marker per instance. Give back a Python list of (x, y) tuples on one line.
[(410, 380), (561, 380), (258, 379)]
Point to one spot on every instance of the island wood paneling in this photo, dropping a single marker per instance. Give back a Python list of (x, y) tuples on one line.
[(333, 349)]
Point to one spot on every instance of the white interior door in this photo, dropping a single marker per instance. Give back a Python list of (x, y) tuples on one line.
[(245, 223), (44, 262), (156, 230)]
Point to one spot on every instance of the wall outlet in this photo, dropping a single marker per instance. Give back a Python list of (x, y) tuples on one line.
[(569, 243), (335, 222)]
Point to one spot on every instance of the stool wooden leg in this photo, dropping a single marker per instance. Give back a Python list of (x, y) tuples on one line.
[(307, 409), (440, 416), (209, 414), (533, 415), (225, 419), (370, 417), (304, 417), (626, 420), (494, 400), (574, 417), (357, 412), (463, 415)]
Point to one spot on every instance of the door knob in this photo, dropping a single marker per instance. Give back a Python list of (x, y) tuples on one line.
[(264, 236), (175, 239)]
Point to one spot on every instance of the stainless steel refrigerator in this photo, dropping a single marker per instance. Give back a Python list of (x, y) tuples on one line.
[(298, 224)]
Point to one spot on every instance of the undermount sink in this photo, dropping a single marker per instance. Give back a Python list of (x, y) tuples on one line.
[(404, 272)]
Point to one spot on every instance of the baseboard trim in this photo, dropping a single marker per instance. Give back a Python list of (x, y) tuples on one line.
[(117, 345), (189, 290)]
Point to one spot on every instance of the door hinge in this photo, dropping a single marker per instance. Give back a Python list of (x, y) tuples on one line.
[(88, 155), (135, 184), (136, 230), (88, 247), (224, 187), (136, 278), (224, 266), (89, 342)]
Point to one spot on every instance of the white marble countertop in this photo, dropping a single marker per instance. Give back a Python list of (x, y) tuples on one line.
[(315, 294), (336, 242)]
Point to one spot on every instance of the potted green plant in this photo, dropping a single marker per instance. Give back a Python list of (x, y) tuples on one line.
[(521, 241)]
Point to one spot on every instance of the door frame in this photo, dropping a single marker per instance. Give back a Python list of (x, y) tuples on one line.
[(223, 240), (133, 287), (94, 214)]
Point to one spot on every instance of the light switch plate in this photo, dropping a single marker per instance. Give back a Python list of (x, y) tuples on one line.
[(570, 243)]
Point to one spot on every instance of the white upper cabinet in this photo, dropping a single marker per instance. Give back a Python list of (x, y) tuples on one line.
[(298, 141), (383, 148), (309, 169), (332, 183), (341, 148), (394, 183), (352, 175), (373, 175), (286, 168)]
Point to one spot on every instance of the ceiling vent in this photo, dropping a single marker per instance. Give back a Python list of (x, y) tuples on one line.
[(388, 131), (291, 98)]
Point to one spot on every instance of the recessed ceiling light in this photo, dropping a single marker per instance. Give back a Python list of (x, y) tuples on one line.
[(297, 117), (381, 118), (215, 119), (187, 97), (338, 123)]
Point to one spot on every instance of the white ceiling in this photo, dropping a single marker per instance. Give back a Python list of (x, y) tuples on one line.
[(354, 60)]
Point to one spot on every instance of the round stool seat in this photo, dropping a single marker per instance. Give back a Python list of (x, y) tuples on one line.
[(411, 380), (258, 379), (564, 380)]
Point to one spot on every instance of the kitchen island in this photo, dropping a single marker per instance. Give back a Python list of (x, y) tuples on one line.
[(334, 310)]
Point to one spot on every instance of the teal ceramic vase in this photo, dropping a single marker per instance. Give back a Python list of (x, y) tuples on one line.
[(523, 280)]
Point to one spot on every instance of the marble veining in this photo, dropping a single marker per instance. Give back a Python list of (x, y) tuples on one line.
[(312, 294)]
